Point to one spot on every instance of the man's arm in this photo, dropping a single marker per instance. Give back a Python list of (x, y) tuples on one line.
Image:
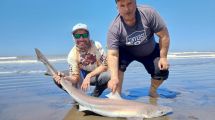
[(97, 71), (86, 81), (113, 59), (164, 41), (74, 78)]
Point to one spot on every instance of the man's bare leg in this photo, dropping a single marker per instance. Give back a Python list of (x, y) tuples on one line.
[(153, 88)]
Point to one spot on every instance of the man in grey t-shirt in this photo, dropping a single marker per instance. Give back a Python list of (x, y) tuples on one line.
[(131, 37)]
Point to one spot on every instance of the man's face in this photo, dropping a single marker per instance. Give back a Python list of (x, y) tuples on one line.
[(127, 9), (82, 40)]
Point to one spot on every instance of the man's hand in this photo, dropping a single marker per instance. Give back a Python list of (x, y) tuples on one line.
[(113, 84), (86, 83), (57, 77), (163, 64)]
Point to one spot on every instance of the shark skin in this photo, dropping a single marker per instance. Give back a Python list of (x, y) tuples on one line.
[(106, 106)]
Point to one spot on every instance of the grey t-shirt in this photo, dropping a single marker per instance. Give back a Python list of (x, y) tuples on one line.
[(137, 40)]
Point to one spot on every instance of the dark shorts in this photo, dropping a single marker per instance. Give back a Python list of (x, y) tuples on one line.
[(150, 63)]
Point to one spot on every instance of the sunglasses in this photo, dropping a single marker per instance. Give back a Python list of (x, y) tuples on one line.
[(77, 36)]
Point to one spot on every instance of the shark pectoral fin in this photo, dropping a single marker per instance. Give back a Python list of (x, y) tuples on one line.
[(114, 96), (82, 108), (48, 73)]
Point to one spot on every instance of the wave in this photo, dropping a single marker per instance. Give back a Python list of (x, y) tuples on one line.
[(187, 55), (171, 55), (18, 61), (22, 72), (194, 52), (7, 58)]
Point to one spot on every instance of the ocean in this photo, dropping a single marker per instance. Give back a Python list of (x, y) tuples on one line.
[(27, 94)]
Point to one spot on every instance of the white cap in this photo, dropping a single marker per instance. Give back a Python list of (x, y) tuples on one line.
[(79, 26)]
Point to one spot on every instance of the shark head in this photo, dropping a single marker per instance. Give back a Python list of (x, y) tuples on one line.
[(160, 111)]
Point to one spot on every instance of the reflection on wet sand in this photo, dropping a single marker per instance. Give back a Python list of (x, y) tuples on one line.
[(153, 101), (75, 114)]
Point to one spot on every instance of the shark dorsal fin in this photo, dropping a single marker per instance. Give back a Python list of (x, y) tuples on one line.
[(115, 96)]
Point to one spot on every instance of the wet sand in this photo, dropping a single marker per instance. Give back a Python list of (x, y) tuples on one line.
[(189, 91)]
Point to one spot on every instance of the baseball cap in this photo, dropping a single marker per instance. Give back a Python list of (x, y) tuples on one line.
[(79, 26)]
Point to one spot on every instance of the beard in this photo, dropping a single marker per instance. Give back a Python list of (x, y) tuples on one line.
[(83, 45)]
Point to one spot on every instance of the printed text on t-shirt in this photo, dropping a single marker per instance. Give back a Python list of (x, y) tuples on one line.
[(136, 38)]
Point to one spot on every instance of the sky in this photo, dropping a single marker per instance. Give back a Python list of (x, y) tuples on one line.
[(47, 24)]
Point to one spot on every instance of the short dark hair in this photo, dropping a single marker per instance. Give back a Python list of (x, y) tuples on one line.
[(116, 1)]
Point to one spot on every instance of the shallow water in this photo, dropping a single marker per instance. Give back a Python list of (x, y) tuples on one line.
[(26, 94)]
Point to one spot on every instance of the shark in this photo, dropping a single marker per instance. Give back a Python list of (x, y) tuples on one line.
[(111, 106)]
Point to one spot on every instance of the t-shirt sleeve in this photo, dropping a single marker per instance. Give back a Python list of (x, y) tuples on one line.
[(102, 53), (73, 62), (156, 22), (113, 37)]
